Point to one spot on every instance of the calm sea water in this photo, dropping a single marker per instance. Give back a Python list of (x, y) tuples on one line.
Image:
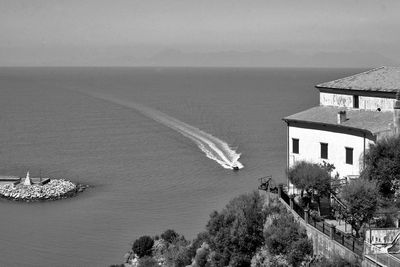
[(85, 124)]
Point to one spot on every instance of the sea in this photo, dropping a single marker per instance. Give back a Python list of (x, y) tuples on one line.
[(156, 145)]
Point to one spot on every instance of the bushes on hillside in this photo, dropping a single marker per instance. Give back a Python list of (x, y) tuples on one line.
[(147, 261), (233, 237), (236, 232), (177, 253), (300, 250), (285, 236), (143, 246), (202, 256), (169, 235)]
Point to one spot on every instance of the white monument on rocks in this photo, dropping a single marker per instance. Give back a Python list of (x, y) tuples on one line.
[(27, 180)]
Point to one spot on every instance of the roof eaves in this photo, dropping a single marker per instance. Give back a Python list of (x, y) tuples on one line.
[(330, 124), (388, 93)]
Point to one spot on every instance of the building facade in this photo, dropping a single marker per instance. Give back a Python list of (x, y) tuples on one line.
[(354, 112)]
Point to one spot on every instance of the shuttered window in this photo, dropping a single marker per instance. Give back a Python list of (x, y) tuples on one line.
[(295, 146), (324, 151), (349, 155), (355, 101)]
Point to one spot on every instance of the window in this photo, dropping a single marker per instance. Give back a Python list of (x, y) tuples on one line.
[(324, 151), (295, 143), (355, 101), (349, 155)]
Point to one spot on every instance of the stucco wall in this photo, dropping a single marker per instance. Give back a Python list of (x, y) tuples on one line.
[(365, 102), (310, 148), (328, 99), (373, 103), (381, 236)]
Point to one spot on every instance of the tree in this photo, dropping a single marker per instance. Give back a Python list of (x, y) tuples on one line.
[(285, 236), (178, 253), (299, 250), (382, 164), (235, 233), (143, 246), (169, 235), (361, 200), (312, 178), (263, 258), (202, 256)]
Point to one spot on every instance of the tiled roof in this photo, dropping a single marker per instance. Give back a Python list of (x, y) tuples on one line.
[(383, 79), (366, 120)]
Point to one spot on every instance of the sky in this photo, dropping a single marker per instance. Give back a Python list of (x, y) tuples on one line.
[(129, 32)]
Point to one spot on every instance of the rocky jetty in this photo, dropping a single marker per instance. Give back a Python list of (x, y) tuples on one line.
[(54, 189)]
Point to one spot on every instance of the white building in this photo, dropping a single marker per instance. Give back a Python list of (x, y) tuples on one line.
[(354, 112)]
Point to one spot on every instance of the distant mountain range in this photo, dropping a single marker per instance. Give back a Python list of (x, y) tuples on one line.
[(279, 58), (131, 56)]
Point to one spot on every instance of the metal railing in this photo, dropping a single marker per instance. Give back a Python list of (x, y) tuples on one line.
[(299, 210), (356, 245), (347, 240), (285, 197)]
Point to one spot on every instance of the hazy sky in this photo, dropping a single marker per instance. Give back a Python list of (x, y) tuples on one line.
[(76, 32)]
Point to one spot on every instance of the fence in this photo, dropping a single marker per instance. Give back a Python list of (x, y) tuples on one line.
[(352, 243), (347, 240), (283, 196), (320, 225)]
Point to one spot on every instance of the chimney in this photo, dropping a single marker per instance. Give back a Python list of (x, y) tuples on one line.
[(396, 114), (341, 116)]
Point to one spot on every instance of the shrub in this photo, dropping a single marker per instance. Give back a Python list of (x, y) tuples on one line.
[(237, 231), (299, 250), (147, 261), (143, 246), (385, 221), (182, 258), (286, 237), (169, 235), (282, 233), (201, 239), (202, 256), (264, 259), (304, 201), (177, 254)]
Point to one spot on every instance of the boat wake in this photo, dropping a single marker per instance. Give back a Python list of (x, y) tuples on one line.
[(213, 147)]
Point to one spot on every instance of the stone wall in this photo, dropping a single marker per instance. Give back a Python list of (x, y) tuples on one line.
[(324, 245)]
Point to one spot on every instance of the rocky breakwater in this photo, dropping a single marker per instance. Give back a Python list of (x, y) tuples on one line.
[(54, 189)]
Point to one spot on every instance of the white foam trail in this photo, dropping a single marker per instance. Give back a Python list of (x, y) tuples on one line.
[(214, 148)]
